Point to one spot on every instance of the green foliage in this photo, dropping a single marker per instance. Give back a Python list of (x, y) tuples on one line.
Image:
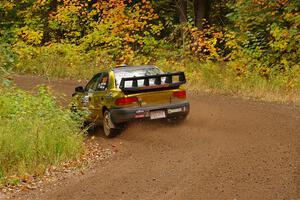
[(124, 30), (7, 57), (206, 44), (120, 27), (35, 133), (60, 60), (67, 21), (268, 32)]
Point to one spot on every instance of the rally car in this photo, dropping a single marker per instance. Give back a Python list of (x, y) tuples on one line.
[(113, 98)]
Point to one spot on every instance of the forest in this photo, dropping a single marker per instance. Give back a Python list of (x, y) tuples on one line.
[(248, 48), (233, 46)]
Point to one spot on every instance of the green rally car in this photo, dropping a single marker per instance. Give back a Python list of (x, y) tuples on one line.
[(113, 98)]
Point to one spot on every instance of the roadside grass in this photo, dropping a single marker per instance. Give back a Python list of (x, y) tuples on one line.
[(224, 78), (35, 133)]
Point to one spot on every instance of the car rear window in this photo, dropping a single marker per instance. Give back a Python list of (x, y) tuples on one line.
[(135, 72)]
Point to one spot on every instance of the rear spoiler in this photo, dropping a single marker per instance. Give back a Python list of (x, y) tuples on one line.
[(169, 82)]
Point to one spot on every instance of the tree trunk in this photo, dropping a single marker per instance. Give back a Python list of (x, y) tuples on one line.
[(50, 10), (201, 10), (182, 10), (53, 6), (181, 6)]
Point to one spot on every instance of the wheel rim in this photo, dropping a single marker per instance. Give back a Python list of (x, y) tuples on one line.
[(106, 124)]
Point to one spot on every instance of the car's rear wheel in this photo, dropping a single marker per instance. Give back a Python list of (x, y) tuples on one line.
[(109, 128)]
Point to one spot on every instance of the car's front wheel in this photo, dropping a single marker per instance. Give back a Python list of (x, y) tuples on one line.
[(109, 128)]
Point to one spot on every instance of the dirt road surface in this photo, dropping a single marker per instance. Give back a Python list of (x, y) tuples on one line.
[(227, 149)]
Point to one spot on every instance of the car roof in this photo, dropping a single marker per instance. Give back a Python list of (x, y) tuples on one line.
[(131, 67)]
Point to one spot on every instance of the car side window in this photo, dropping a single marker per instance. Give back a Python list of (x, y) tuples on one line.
[(102, 83), (90, 87)]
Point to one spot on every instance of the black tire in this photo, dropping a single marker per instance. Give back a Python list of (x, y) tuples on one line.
[(109, 128)]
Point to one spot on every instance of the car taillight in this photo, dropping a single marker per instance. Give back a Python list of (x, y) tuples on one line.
[(125, 101), (180, 94)]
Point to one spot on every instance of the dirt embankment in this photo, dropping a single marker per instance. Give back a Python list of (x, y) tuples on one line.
[(227, 149)]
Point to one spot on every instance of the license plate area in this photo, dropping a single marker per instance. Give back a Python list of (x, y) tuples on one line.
[(157, 114), (174, 110)]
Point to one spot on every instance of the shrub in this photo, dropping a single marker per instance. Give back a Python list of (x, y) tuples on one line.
[(205, 44), (7, 57), (267, 32), (35, 133), (59, 60)]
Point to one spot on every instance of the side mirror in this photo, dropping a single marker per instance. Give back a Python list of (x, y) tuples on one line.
[(79, 89)]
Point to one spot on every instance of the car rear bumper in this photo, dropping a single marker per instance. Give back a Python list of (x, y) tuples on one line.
[(120, 115)]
